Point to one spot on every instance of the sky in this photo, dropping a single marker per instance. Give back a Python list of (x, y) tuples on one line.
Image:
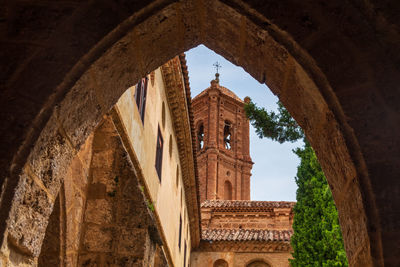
[(275, 164)]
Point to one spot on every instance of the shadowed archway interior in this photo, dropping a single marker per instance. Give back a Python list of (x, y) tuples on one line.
[(332, 65)]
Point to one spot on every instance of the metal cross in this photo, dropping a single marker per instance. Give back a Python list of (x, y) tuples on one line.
[(217, 66)]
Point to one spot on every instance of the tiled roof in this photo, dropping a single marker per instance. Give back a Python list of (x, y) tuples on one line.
[(246, 235), (245, 204)]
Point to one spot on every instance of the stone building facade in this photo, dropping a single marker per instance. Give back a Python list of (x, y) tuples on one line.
[(236, 232), (129, 195)]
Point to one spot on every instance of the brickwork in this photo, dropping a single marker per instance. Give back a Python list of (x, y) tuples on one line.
[(241, 259), (224, 172), (334, 66), (231, 223), (276, 219)]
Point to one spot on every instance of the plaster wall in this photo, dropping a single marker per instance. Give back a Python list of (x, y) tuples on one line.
[(167, 195)]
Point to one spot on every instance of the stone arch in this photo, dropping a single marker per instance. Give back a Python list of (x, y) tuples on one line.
[(258, 263), (200, 135), (54, 244), (220, 263), (228, 194), (338, 85), (228, 135)]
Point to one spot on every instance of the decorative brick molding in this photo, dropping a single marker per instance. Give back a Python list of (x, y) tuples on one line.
[(178, 97)]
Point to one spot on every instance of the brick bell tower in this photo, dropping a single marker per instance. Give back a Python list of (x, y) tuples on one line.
[(223, 154)]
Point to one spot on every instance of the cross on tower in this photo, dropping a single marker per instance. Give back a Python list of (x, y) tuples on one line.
[(217, 66)]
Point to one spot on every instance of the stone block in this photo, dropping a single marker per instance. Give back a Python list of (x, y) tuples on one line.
[(97, 191), (98, 238), (73, 233), (103, 158), (51, 157), (130, 187), (77, 173), (29, 216), (18, 259), (26, 230), (89, 260), (133, 214), (71, 259), (128, 261), (133, 241), (99, 211), (85, 152)]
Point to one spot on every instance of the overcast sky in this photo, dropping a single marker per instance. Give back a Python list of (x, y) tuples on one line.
[(275, 164)]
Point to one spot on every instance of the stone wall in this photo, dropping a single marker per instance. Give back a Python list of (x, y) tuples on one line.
[(113, 208), (118, 227), (106, 219)]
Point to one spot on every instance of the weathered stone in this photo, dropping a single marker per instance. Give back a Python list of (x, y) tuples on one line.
[(99, 211), (98, 238), (134, 241), (32, 208)]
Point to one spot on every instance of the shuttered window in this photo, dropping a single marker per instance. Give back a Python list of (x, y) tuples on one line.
[(140, 96), (159, 153), (180, 232)]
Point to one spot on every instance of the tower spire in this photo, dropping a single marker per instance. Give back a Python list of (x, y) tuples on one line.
[(217, 67)]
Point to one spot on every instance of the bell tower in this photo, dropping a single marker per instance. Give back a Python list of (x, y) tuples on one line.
[(222, 134)]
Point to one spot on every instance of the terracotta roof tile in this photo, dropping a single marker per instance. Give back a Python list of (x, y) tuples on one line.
[(245, 204), (246, 235)]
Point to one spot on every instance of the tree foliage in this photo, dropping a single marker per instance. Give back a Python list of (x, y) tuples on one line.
[(317, 239), (279, 126)]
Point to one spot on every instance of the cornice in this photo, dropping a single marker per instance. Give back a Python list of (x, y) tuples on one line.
[(245, 246), (175, 76), (247, 206)]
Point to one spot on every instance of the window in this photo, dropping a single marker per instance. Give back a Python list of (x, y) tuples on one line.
[(180, 232), (159, 153), (140, 96), (227, 135), (177, 176), (170, 145), (200, 137), (184, 256), (227, 190), (163, 114)]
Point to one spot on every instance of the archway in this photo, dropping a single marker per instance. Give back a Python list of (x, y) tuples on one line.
[(227, 190), (257, 263), (220, 263), (325, 63)]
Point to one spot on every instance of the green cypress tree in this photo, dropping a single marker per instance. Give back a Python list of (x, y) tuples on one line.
[(317, 239)]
